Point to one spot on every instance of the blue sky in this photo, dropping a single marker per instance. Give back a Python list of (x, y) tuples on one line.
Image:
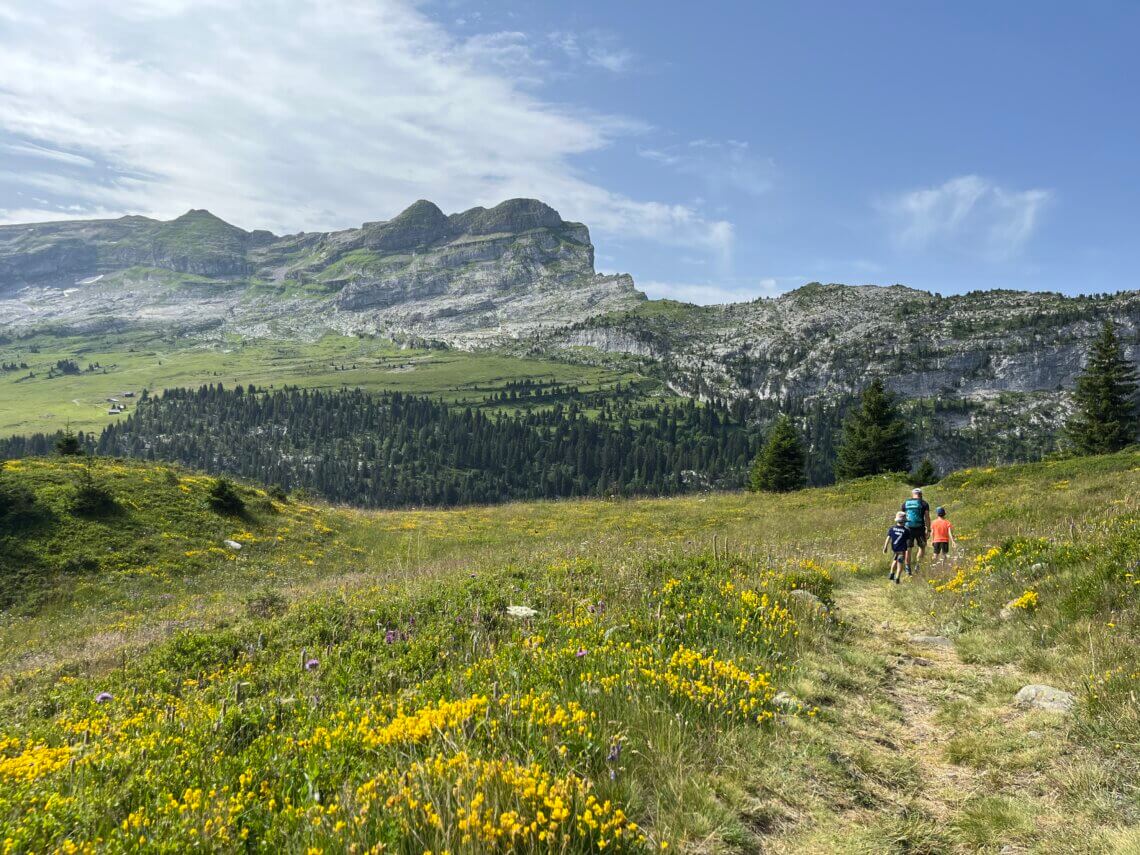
[(718, 151)]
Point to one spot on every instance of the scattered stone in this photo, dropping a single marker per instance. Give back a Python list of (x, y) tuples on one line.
[(1037, 568), (787, 702), (521, 612), (233, 544), (1006, 611), (921, 661), (809, 599), (1033, 734), (1037, 696), (931, 640)]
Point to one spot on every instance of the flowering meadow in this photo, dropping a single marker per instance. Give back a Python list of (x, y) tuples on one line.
[(627, 676)]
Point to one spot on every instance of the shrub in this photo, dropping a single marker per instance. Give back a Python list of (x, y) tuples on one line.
[(91, 498), (266, 604), (223, 497), (17, 504)]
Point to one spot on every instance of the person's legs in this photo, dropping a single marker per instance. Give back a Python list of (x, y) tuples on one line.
[(918, 539)]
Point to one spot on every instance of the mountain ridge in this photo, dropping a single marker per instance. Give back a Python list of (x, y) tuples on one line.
[(987, 372)]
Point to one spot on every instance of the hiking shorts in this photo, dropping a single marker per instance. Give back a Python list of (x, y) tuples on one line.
[(900, 557), (918, 537), (941, 547)]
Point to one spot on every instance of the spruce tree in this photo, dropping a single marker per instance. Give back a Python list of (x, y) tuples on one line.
[(925, 474), (874, 437), (779, 467), (68, 443), (1105, 418)]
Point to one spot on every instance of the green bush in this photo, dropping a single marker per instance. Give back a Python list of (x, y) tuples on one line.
[(91, 498), (224, 498)]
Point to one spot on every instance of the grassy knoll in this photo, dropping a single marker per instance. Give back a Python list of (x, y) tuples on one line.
[(140, 360), (351, 680)]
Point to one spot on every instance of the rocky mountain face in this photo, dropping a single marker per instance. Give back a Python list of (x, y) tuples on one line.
[(987, 373), (515, 267)]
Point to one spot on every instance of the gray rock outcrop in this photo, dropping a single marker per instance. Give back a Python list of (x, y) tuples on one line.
[(1048, 698)]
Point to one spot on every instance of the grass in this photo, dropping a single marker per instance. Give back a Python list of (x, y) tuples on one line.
[(140, 360), (646, 679)]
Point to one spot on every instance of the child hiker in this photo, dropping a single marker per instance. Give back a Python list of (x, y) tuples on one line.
[(898, 541), (942, 536)]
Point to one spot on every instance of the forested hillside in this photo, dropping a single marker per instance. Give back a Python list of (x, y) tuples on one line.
[(394, 450)]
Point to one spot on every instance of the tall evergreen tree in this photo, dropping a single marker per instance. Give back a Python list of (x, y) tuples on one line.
[(874, 436), (925, 474), (1105, 418), (779, 467), (68, 443)]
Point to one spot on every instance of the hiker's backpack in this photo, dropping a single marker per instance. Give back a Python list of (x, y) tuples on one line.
[(915, 518)]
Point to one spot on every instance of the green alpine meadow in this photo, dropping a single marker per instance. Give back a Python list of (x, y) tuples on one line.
[(477, 427), (720, 672)]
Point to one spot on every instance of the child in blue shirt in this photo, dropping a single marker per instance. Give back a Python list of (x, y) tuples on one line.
[(898, 540)]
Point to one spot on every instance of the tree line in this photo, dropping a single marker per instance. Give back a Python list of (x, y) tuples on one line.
[(875, 438), (397, 450)]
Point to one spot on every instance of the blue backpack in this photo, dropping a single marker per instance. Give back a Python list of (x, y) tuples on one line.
[(915, 518)]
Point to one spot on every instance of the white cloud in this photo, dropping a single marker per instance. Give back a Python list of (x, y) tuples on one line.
[(39, 151), (728, 165), (593, 48), (968, 212), (707, 294), (290, 114)]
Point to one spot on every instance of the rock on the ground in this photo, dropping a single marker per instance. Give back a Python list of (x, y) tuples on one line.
[(787, 702), (809, 599), (233, 544), (932, 640), (1037, 696)]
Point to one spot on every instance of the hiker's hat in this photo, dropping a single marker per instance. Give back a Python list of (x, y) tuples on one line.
[(940, 511), (917, 491)]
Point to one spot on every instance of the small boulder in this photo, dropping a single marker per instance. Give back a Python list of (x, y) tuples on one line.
[(1048, 698), (232, 544), (809, 599), (931, 640), (786, 702), (1008, 610)]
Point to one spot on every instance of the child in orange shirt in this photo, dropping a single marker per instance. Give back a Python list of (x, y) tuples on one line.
[(942, 536)]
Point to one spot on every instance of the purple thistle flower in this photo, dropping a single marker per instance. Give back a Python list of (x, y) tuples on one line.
[(581, 652), (103, 697), (391, 636), (312, 664)]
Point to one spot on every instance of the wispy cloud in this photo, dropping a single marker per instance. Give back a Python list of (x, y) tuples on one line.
[(728, 165), (968, 212), (290, 115), (708, 293), (595, 48)]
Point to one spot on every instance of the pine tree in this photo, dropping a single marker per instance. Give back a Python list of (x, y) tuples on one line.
[(1105, 418), (874, 437), (925, 474), (779, 467), (68, 443)]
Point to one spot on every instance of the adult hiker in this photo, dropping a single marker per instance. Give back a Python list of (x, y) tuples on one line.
[(917, 512), (942, 536)]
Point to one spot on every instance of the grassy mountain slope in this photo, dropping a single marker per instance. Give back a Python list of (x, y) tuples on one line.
[(643, 691), (137, 360)]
